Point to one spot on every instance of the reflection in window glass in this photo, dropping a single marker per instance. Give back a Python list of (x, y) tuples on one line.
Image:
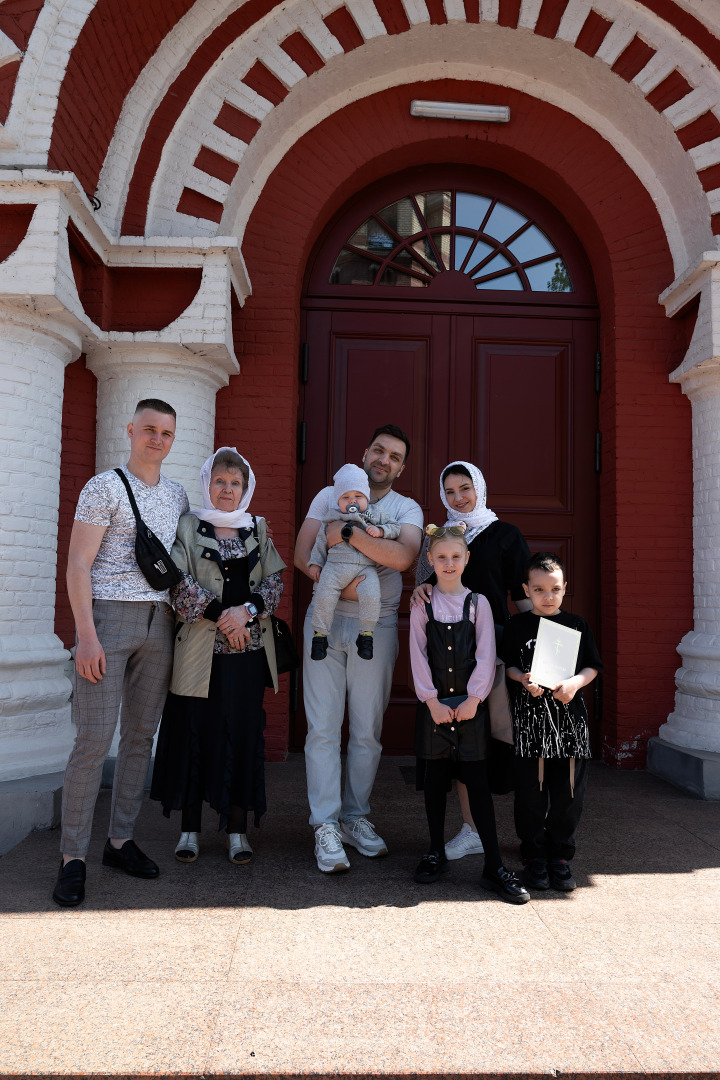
[(560, 280), (503, 222), (391, 276), (470, 210), (498, 263), (352, 269), (424, 248), (480, 252), (462, 246), (411, 240), (435, 207), (401, 217), (531, 244), (507, 281)]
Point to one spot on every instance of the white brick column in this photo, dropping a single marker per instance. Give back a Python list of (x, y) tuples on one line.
[(695, 721), (686, 750), (129, 371), (35, 727)]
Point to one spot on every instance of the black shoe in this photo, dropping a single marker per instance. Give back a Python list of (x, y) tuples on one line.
[(507, 885), (535, 874), (130, 859), (561, 875), (318, 648), (69, 888), (430, 867), (364, 644)]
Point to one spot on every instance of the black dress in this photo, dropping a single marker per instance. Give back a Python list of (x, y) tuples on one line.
[(213, 749)]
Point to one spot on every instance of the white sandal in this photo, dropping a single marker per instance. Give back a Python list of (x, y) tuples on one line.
[(239, 850), (188, 847)]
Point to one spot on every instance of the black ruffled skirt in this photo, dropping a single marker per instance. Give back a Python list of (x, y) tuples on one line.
[(213, 749)]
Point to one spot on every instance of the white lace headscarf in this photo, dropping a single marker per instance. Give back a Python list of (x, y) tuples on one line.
[(480, 517), (228, 519)]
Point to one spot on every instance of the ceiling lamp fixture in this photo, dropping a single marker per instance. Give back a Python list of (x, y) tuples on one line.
[(458, 110)]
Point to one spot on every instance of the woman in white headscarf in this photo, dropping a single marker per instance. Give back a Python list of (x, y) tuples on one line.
[(498, 561), (211, 745)]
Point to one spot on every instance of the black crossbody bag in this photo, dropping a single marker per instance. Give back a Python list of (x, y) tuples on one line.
[(157, 567)]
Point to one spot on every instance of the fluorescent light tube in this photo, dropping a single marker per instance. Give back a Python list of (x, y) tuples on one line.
[(458, 110)]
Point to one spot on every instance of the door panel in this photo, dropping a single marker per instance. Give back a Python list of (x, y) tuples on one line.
[(515, 395)]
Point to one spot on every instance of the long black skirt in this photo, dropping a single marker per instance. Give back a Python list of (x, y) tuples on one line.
[(213, 749)]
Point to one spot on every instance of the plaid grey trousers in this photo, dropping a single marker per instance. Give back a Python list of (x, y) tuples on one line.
[(137, 637)]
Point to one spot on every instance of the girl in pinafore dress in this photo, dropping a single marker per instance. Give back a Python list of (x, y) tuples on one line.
[(452, 653)]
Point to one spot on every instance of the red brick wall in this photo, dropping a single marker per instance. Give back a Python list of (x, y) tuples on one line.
[(77, 465), (646, 511)]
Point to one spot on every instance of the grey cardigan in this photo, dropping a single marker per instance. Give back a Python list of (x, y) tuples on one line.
[(193, 553)]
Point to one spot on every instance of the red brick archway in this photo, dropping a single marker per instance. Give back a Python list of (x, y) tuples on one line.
[(645, 487)]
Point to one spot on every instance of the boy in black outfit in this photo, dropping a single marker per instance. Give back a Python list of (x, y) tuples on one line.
[(552, 739)]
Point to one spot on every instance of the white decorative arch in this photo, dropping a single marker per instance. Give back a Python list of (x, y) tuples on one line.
[(29, 127), (550, 70)]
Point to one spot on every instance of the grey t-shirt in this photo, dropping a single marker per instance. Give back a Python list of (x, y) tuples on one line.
[(395, 507), (115, 574)]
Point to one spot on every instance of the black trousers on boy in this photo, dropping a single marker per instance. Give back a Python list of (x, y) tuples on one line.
[(546, 818)]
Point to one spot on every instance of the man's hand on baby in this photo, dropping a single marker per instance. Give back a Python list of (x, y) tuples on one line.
[(565, 691), (333, 531), (532, 687), (374, 530), (314, 572), (441, 714), (350, 591), (420, 595)]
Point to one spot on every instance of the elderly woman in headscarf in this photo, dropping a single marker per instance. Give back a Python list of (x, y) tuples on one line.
[(211, 744), (498, 561)]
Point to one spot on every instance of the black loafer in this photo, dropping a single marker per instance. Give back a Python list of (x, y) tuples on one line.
[(430, 867), (507, 885), (318, 647), (130, 859), (561, 876), (535, 875), (364, 644), (69, 889)]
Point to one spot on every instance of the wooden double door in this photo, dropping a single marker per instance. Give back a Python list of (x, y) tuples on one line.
[(513, 393)]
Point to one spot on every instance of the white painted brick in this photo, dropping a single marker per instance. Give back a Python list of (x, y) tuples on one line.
[(529, 11), (490, 10), (573, 20)]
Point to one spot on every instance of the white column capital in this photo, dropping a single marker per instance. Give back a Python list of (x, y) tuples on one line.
[(55, 335)]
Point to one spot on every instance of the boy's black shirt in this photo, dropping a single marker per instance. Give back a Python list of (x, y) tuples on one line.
[(543, 726)]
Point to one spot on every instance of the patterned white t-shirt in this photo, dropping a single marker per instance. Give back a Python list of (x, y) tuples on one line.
[(115, 574)]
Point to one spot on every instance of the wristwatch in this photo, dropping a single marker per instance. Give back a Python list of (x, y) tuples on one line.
[(252, 610), (347, 530)]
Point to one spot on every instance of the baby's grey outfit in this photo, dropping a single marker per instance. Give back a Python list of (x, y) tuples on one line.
[(341, 565)]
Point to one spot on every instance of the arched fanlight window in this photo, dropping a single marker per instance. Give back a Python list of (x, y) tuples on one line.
[(420, 236)]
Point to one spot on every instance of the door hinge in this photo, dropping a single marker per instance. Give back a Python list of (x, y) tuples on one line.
[(598, 451), (598, 371), (304, 362), (302, 441)]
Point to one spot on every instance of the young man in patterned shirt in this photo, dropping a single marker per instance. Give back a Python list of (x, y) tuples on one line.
[(124, 647)]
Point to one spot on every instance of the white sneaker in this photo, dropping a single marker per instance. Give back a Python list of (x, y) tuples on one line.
[(361, 835), (465, 843), (239, 851), (329, 852), (188, 847)]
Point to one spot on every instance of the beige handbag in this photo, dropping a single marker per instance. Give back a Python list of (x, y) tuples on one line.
[(498, 702)]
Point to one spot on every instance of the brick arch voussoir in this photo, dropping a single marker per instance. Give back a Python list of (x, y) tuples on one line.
[(668, 89)]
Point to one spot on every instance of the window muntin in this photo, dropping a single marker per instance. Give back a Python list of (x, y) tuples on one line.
[(420, 236)]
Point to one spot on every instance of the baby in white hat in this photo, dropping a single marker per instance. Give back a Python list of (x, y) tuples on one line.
[(334, 568)]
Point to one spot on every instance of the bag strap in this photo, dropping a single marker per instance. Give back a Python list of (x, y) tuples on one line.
[(131, 497), (471, 598)]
